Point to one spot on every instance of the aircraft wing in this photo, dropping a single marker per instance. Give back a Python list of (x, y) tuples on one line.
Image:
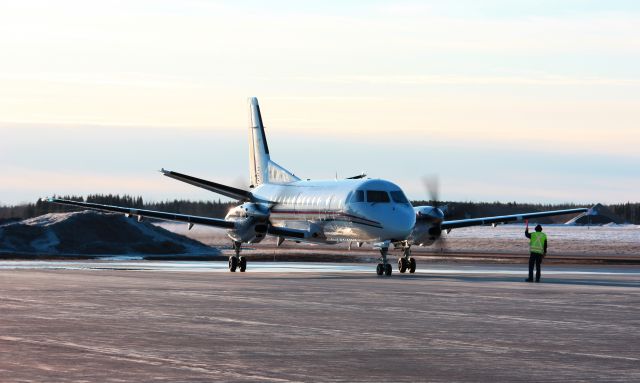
[(148, 213), (191, 219), (506, 218)]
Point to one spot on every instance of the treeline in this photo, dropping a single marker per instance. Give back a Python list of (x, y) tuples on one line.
[(628, 212), (462, 210), (215, 209)]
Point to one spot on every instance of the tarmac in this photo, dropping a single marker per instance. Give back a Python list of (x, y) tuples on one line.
[(137, 321)]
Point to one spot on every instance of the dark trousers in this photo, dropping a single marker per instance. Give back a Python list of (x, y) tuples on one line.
[(537, 259)]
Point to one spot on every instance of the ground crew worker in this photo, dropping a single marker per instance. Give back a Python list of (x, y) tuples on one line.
[(538, 249)]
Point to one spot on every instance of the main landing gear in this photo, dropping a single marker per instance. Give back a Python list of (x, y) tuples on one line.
[(236, 261), (406, 262), (385, 266)]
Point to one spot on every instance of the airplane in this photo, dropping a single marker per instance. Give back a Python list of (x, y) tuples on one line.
[(355, 210)]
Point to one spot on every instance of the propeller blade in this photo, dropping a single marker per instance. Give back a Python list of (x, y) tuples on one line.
[(441, 243), (432, 186)]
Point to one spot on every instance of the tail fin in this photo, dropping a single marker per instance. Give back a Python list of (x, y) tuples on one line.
[(261, 168)]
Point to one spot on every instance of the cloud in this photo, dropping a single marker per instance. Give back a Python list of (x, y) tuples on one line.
[(542, 80)]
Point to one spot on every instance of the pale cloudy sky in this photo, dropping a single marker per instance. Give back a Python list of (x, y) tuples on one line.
[(505, 100)]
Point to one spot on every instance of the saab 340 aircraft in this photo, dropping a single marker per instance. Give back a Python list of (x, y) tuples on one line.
[(354, 210)]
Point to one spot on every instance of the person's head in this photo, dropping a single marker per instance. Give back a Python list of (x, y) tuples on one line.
[(538, 228)]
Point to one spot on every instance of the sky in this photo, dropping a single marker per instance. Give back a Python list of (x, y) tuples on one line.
[(529, 101)]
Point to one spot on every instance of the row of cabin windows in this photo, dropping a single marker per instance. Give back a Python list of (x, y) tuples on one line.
[(310, 202), (379, 196), (374, 196)]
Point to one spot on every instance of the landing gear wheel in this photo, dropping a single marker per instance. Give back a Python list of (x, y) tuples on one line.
[(412, 265), (233, 263), (402, 265), (380, 269), (387, 269), (243, 264)]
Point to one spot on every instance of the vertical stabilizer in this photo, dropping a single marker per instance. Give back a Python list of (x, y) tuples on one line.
[(261, 168), (258, 148)]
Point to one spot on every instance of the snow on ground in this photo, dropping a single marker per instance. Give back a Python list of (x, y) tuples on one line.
[(563, 239), (208, 235), (48, 219)]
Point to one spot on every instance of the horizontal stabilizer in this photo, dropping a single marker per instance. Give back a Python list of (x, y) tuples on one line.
[(227, 191)]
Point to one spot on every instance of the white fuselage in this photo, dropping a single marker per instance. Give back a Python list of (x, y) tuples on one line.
[(361, 210)]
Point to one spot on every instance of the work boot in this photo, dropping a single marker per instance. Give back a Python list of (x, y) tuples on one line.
[(528, 280), (537, 281)]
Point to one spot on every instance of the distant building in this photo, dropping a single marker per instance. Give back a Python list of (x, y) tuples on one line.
[(597, 215)]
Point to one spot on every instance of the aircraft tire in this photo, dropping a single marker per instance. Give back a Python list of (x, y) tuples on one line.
[(402, 265), (243, 264), (379, 269), (387, 269), (412, 265), (233, 263)]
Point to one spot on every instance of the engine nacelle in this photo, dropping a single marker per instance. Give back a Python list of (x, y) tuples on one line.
[(251, 223), (248, 209), (428, 225)]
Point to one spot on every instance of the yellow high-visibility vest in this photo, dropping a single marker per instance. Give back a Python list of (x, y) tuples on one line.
[(537, 242)]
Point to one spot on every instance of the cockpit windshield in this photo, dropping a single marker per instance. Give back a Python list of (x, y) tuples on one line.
[(377, 196), (358, 196), (399, 197)]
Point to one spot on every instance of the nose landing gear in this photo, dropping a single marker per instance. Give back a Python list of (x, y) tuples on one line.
[(384, 267), (236, 261), (406, 262)]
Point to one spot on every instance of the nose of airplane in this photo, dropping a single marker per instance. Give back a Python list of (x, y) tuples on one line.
[(401, 222)]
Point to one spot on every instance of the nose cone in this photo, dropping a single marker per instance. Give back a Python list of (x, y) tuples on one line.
[(400, 224)]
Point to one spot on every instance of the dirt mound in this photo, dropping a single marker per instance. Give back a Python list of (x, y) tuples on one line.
[(89, 232)]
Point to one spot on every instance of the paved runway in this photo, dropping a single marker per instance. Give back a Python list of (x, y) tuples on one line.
[(189, 321)]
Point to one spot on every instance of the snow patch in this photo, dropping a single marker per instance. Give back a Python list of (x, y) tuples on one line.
[(49, 219)]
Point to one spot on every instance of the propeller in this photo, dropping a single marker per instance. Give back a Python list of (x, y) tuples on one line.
[(441, 243), (432, 186)]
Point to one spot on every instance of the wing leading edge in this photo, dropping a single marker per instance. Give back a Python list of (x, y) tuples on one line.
[(194, 219), (190, 219), (506, 218)]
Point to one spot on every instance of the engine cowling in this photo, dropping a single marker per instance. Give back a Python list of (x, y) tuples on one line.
[(251, 222), (428, 226)]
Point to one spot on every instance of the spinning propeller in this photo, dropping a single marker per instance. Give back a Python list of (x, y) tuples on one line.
[(432, 186)]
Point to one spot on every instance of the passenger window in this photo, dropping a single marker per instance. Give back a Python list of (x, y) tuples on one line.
[(399, 197), (358, 196), (377, 196)]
